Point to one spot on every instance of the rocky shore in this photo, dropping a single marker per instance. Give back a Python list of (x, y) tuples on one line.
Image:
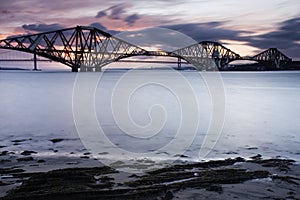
[(254, 178)]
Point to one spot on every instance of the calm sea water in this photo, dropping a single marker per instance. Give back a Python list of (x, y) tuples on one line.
[(262, 113)]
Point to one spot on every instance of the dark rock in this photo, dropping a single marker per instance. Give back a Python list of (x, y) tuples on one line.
[(240, 159), (288, 179), (133, 176), (56, 140), (204, 165), (270, 190), (3, 153), (10, 170), (97, 183), (72, 183), (231, 152), (21, 140), (252, 148), (54, 150), (281, 164), (41, 161), (103, 153), (256, 157), (182, 156), (4, 160), (28, 153), (25, 159), (72, 163), (85, 157)]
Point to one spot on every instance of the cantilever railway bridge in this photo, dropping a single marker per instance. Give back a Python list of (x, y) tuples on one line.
[(88, 48)]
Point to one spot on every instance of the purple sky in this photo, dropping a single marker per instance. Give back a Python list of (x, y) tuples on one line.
[(246, 27)]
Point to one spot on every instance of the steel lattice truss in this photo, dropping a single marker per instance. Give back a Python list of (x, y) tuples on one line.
[(272, 58), (197, 55), (89, 48), (220, 54), (107, 51), (74, 47)]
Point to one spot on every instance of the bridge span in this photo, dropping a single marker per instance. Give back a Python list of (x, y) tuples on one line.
[(89, 48)]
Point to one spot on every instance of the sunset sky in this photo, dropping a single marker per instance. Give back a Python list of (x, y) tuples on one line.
[(246, 27)]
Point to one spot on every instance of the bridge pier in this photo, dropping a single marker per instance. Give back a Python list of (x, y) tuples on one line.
[(34, 61), (277, 63), (74, 69), (218, 63), (179, 64), (98, 69)]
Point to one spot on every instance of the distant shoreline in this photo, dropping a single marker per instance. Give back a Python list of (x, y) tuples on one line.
[(246, 70), (12, 68), (245, 67)]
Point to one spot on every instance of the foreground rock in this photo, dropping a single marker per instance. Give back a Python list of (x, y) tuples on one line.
[(166, 183)]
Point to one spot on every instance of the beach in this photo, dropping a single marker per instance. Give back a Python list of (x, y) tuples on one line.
[(61, 178)]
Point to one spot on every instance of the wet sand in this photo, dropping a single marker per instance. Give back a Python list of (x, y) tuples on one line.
[(61, 178)]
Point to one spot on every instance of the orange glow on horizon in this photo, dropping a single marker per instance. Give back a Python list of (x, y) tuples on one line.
[(4, 36)]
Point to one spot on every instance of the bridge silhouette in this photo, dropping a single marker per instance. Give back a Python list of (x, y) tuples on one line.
[(89, 49)]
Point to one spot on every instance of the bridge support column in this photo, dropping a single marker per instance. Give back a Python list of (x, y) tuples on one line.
[(98, 69), (74, 69), (179, 64), (277, 64), (89, 69), (218, 63), (34, 61)]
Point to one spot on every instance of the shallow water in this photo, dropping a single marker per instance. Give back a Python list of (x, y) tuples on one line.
[(261, 115)]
